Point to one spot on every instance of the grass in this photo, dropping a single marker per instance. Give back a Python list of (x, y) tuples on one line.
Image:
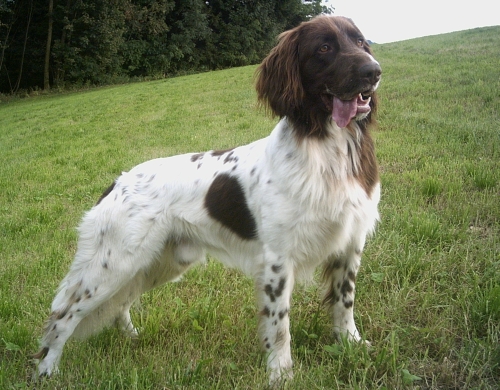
[(428, 294)]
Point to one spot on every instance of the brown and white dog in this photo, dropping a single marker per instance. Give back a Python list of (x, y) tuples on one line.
[(276, 209)]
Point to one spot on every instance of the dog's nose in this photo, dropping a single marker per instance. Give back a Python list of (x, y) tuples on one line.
[(371, 71)]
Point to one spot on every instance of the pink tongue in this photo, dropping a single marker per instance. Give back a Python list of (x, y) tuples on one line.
[(344, 111)]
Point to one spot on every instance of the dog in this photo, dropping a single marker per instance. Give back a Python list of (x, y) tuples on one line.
[(277, 208)]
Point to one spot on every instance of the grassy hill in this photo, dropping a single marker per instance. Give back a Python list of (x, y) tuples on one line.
[(428, 293)]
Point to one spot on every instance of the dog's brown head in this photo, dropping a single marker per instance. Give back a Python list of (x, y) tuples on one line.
[(319, 70)]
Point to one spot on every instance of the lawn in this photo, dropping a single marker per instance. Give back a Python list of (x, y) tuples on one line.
[(428, 293)]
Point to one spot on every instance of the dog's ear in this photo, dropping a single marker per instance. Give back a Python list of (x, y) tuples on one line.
[(279, 85)]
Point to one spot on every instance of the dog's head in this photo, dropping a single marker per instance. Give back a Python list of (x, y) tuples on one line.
[(319, 70)]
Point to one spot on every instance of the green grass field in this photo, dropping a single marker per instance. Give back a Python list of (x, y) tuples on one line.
[(428, 293)]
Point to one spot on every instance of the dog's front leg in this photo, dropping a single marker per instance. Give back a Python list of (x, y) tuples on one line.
[(274, 289), (339, 277)]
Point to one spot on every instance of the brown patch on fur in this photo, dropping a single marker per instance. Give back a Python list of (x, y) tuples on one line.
[(346, 287), (226, 203), (197, 156), (336, 264), (106, 192), (41, 354), (61, 313), (230, 158), (331, 296), (268, 289), (265, 312), (367, 174), (219, 153), (281, 285)]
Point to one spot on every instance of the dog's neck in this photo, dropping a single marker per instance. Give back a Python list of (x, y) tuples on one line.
[(341, 155)]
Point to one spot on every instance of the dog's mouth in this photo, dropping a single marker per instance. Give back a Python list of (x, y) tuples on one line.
[(344, 110)]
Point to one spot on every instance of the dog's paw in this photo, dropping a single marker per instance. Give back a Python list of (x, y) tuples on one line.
[(279, 376), (43, 371), (346, 337), (366, 343), (131, 333)]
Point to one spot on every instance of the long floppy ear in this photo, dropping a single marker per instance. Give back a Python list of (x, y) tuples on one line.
[(279, 85)]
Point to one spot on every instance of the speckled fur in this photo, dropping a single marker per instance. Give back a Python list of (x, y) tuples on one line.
[(275, 209)]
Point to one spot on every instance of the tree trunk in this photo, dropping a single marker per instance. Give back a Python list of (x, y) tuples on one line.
[(5, 44), (58, 61), (46, 73), (21, 66)]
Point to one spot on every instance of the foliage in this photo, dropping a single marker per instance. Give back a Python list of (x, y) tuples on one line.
[(428, 292), (100, 42)]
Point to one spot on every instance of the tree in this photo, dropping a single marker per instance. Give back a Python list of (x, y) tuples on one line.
[(21, 37), (46, 76), (21, 65), (100, 42)]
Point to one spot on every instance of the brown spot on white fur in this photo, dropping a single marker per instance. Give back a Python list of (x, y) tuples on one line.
[(41, 354), (106, 192), (226, 203)]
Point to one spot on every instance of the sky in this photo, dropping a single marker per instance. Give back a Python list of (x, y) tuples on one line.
[(384, 21)]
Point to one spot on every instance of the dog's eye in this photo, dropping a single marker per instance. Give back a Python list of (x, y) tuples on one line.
[(361, 42), (324, 48)]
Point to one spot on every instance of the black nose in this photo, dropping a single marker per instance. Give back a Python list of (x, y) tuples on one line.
[(371, 72)]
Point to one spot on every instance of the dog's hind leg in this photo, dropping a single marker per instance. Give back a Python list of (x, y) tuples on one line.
[(95, 294), (124, 322), (103, 266), (81, 294), (177, 257), (115, 310)]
